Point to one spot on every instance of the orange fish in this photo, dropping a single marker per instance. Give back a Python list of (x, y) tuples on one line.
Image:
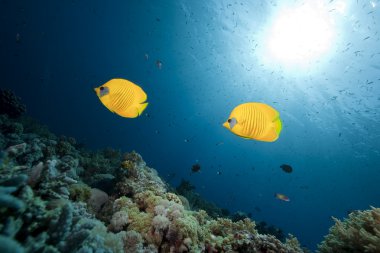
[(282, 197)]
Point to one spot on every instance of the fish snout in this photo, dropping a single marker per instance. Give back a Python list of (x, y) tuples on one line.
[(226, 125)]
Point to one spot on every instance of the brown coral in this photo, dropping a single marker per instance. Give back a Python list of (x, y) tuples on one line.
[(360, 232), (173, 197)]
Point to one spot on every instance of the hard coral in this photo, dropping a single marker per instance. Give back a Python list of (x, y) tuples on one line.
[(119, 220), (224, 227), (140, 178), (97, 199), (160, 222), (360, 232), (173, 197), (80, 192)]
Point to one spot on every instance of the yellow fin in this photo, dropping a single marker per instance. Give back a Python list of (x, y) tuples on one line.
[(274, 129), (141, 107), (133, 111), (271, 136), (277, 125)]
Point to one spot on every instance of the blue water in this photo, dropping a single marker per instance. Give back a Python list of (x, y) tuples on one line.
[(53, 53)]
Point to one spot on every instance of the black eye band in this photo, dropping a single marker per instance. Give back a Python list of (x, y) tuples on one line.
[(229, 120), (102, 88)]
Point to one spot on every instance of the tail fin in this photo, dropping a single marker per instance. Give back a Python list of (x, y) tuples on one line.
[(142, 107), (273, 131), (277, 125)]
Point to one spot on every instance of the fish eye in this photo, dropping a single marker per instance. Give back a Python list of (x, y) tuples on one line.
[(102, 88), (229, 120)]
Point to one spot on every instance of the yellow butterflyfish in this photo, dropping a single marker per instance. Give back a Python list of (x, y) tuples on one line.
[(122, 97), (256, 121)]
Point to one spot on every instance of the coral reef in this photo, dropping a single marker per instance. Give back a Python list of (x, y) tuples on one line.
[(57, 197), (36, 213), (263, 228), (195, 202), (360, 232)]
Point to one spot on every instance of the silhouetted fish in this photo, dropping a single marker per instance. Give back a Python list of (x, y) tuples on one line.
[(196, 168), (286, 168)]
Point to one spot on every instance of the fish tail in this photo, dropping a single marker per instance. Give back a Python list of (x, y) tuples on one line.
[(142, 107), (277, 125)]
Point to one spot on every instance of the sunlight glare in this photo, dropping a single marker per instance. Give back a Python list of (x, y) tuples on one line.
[(301, 34)]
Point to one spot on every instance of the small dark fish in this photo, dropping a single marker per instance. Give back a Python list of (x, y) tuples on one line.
[(366, 38), (189, 140), (196, 168), (286, 168), (219, 173)]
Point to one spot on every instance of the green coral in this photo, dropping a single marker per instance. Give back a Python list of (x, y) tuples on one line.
[(140, 221), (127, 165), (189, 227), (147, 200), (227, 235), (224, 227), (292, 243), (360, 232), (80, 192)]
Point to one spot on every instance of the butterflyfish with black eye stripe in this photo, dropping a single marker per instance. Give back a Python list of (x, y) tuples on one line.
[(256, 121), (122, 97)]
